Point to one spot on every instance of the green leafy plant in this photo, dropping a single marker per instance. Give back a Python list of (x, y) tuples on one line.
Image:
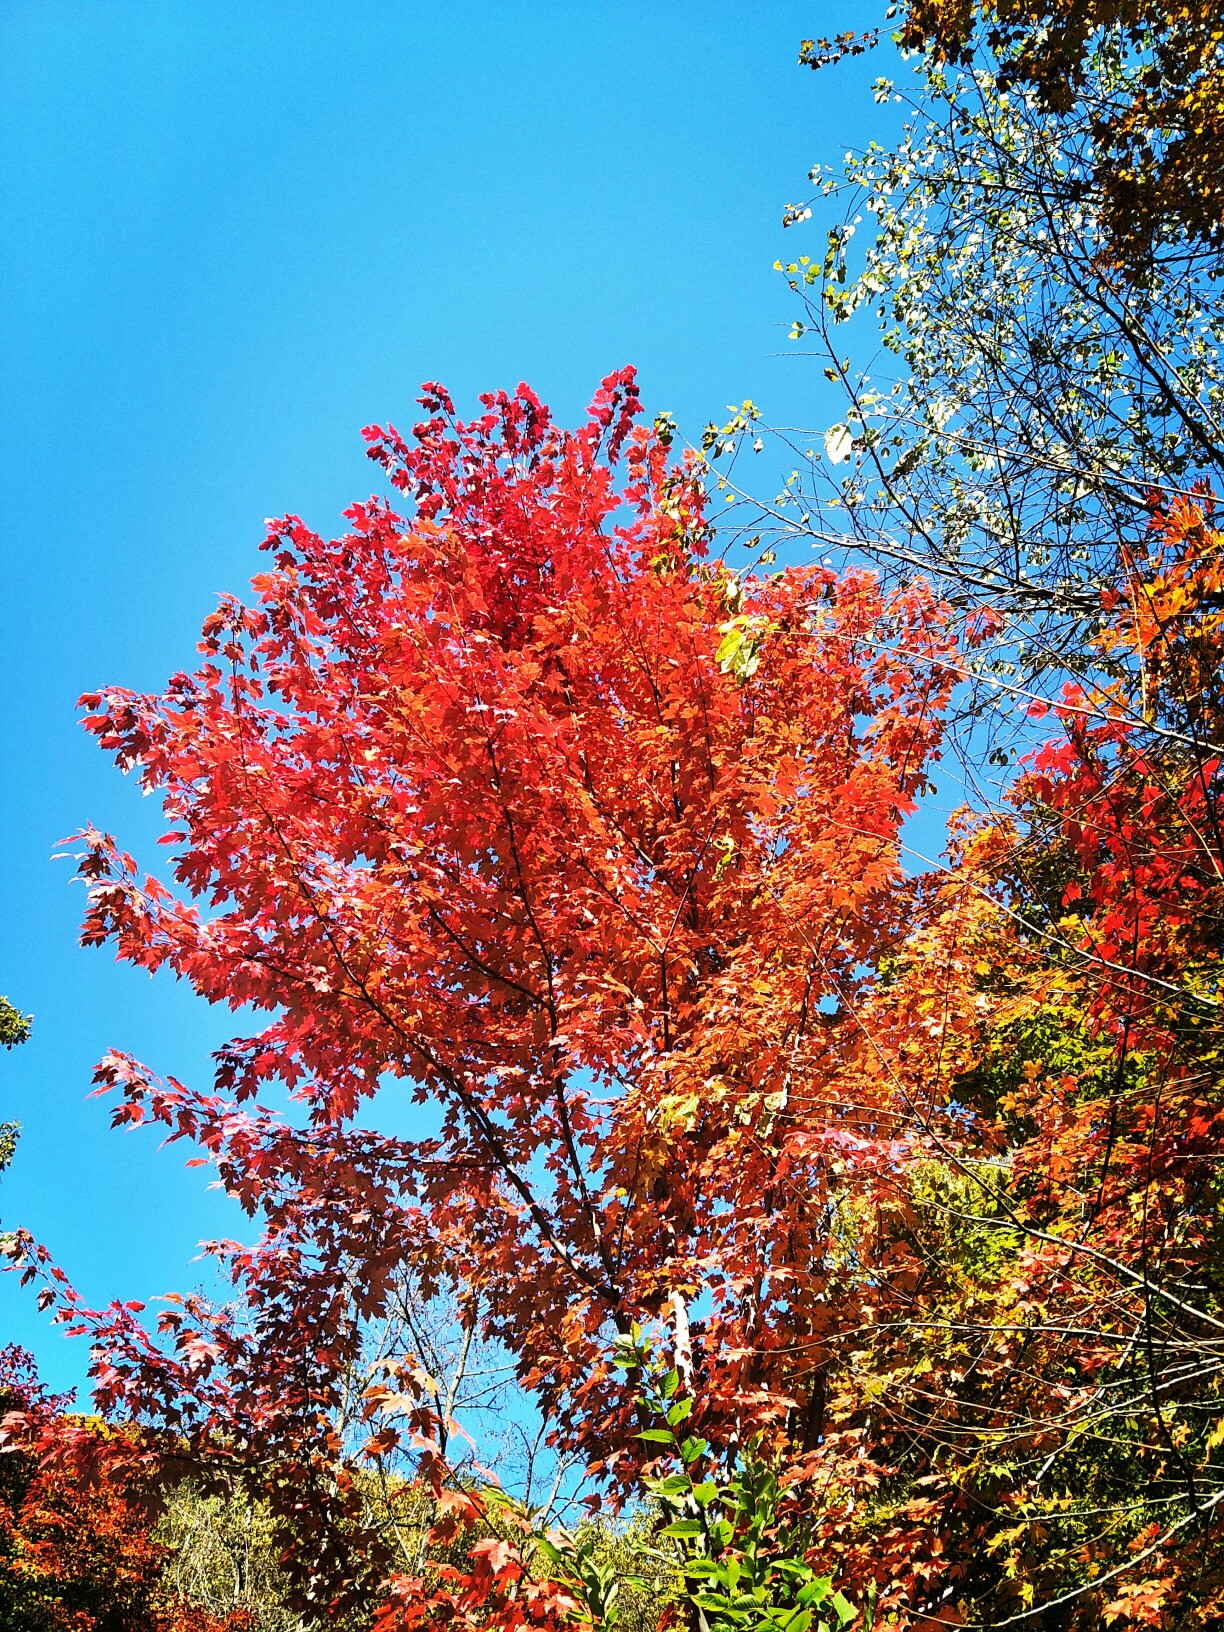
[(739, 1541), (14, 1026)]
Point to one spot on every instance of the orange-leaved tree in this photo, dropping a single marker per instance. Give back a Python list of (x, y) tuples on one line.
[(1035, 1438), (526, 811)]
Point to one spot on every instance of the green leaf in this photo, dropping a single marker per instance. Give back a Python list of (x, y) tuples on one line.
[(703, 1569), (658, 1436), (684, 1527), (732, 640)]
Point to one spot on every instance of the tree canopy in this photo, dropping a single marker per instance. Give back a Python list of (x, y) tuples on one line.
[(849, 1219)]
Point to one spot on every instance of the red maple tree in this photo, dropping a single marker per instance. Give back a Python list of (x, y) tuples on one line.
[(527, 809)]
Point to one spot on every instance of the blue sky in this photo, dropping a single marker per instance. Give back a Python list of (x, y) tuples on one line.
[(234, 232)]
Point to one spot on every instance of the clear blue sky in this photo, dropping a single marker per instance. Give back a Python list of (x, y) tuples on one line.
[(234, 232)]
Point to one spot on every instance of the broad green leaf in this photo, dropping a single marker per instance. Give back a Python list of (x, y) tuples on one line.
[(684, 1527), (844, 1608)]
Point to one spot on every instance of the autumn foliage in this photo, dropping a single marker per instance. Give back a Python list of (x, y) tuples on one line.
[(1049, 1418), (473, 808), (76, 1511), (526, 813), (1159, 147)]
